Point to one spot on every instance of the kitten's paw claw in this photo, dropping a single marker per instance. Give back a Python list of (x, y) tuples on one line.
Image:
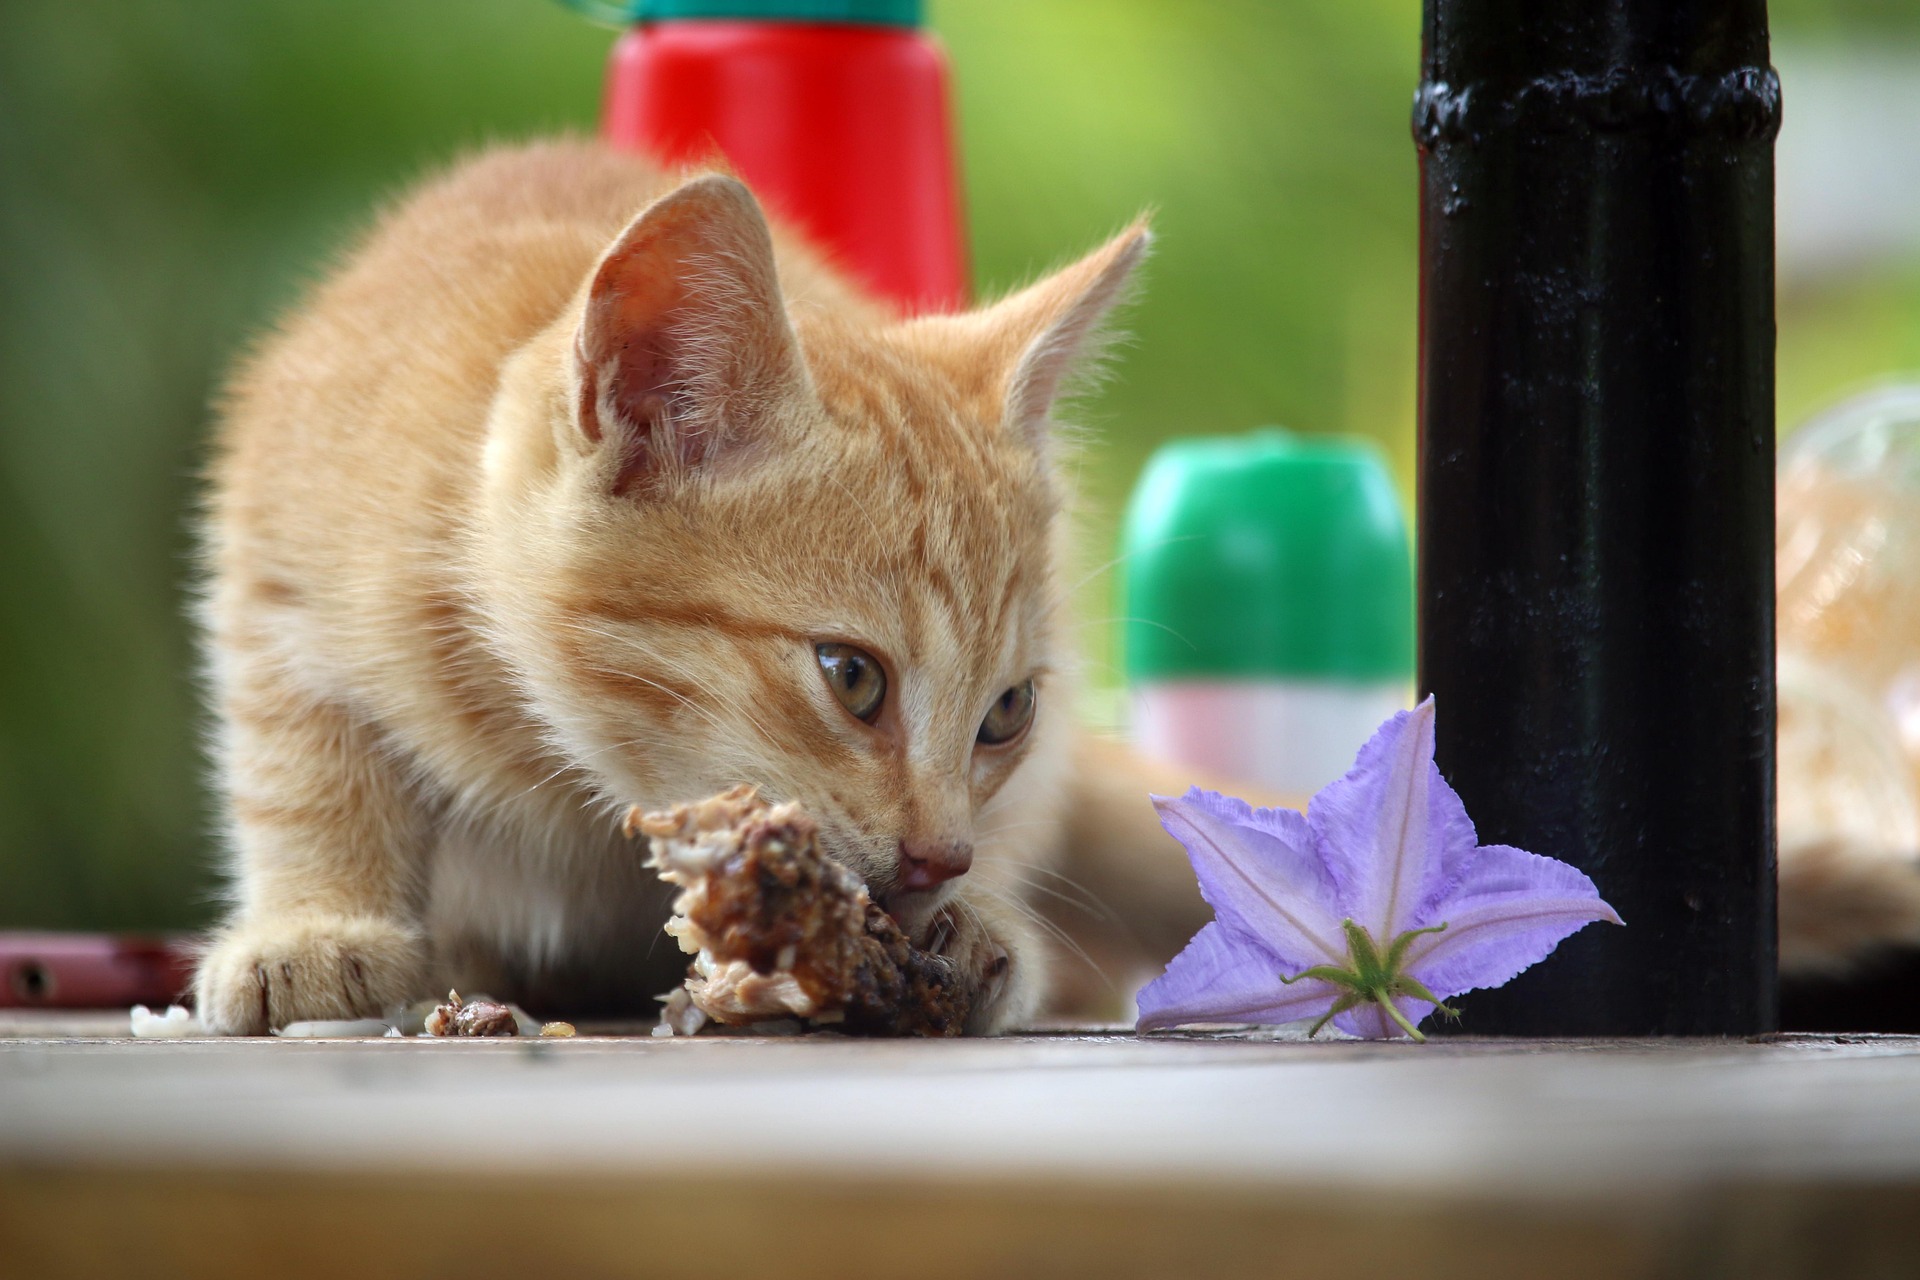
[(996, 959), (939, 935), (264, 974)]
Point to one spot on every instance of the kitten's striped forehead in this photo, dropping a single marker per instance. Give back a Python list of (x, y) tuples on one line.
[(955, 511)]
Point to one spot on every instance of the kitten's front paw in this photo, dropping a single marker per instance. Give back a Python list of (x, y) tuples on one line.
[(262, 974), (997, 955)]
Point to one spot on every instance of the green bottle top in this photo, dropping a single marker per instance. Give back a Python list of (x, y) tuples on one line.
[(884, 13), (1267, 556)]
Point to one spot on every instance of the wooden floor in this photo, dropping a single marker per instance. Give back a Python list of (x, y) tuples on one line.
[(1054, 1154)]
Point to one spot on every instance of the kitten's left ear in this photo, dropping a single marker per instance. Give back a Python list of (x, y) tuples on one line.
[(1039, 337), (684, 345)]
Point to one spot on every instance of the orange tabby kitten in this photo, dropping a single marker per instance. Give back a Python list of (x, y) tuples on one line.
[(576, 489)]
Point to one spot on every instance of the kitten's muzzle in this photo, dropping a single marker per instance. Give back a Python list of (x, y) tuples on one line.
[(926, 864)]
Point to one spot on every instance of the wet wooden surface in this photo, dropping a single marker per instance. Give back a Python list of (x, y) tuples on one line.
[(1060, 1153)]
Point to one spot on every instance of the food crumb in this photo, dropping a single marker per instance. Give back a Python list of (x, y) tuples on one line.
[(333, 1029), (471, 1018), (558, 1030), (177, 1023)]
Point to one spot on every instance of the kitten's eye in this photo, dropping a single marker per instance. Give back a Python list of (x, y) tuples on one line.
[(855, 677), (1009, 716)]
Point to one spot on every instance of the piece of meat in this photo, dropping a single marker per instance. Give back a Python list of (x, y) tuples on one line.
[(471, 1018), (779, 930)]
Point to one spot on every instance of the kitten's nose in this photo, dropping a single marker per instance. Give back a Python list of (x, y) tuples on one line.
[(926, 863)]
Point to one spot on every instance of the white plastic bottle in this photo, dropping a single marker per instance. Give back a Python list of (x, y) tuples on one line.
[(1268, 623)]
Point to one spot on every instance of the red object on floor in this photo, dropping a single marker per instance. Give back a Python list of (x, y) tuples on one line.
[(841, 128), (92, 970)]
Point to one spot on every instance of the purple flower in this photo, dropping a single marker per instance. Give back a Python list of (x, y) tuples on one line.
[(1369, 911)]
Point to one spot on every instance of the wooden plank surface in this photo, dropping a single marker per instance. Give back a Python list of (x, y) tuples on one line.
[(1082, 1152), (124, 1223)]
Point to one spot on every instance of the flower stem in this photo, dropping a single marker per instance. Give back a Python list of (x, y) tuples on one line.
[(1372, 976), (1393, 1011)]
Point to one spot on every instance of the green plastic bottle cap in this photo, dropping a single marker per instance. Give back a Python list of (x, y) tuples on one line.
[(1267, 556), (887, 13)]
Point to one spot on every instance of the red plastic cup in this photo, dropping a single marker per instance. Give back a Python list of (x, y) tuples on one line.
[(92, 971), (841, 127)]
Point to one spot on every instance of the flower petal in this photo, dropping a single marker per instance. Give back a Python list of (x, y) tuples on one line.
[(1259, 871), (1222, 977), (1453, 843), (1376, 826), (1510, 910)]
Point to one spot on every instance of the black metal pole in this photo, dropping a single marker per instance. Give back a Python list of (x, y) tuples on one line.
[(1596, 485)]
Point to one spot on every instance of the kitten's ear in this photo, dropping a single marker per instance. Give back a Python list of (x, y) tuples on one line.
[(685, 342), (1053, 328)]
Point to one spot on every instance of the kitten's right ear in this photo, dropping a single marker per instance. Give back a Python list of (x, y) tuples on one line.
[(685, 342)]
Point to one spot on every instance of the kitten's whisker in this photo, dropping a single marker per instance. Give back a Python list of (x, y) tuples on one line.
[(1059, 875), (1000, 800), (738, 709), (1071, 893), (988, 827), (564, 767), (579, 766), (1114, 563), (1094, 909), (1145, 622), (726, 700), (1091, 574), (1086, 900), (675, 694), (1027, 913)]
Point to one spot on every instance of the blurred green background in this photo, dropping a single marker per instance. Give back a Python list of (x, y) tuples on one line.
[(172, 171)]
